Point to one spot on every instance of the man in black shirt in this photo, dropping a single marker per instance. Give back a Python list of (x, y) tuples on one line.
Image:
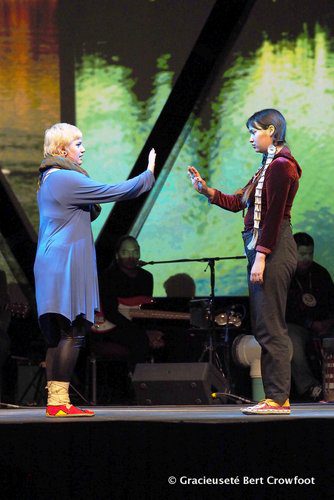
[(310, 314), (124, 286)]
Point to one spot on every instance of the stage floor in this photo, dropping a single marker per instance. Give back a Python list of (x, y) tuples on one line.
[(210, 414), (168, 452)]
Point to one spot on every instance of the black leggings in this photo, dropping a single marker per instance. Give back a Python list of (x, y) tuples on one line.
[(64, 340)]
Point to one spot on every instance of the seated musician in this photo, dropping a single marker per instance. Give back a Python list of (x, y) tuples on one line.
[(124, 286), (309, 315)]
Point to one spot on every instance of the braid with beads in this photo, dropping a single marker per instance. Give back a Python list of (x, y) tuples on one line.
[(258, 196)]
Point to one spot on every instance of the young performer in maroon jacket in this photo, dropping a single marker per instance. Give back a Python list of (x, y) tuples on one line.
[(270, 249)]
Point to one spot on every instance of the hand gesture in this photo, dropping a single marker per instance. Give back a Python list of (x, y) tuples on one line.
[(151, 160), (197, 181), (257, 271), (156, 340)]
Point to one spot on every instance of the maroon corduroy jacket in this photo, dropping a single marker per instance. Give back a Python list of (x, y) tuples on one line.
[(279, 189)]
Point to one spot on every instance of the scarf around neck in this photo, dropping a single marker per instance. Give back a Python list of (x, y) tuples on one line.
[(59, 162)]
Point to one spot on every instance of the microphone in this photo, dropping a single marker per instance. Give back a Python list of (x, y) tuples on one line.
[(141, 263)]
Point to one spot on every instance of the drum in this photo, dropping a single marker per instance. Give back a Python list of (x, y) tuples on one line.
[(328, 368)]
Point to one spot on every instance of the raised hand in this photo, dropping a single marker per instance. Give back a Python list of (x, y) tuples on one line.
[(197, 181), (151, 160)]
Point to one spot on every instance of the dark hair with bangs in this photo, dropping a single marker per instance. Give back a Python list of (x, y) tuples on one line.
[(261, 120)]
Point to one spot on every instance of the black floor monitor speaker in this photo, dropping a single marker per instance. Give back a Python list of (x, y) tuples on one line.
[(177, 383)]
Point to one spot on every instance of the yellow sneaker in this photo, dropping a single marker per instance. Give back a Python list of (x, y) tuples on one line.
[(268, 407)]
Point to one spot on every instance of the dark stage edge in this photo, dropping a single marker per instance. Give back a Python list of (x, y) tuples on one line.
[(131, 452), (210, 414)]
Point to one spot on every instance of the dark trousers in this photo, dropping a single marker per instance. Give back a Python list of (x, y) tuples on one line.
[(267, 307)]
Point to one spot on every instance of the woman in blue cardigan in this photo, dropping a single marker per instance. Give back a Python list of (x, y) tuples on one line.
[(65, 265)]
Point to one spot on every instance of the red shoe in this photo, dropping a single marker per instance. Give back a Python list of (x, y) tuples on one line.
[(67, 411)]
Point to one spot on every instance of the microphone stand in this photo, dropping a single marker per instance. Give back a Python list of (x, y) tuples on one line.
[(202, 259), (211, 343), (210, 346)]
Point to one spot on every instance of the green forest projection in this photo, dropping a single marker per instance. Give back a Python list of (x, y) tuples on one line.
[(114, 121), (296, 76)]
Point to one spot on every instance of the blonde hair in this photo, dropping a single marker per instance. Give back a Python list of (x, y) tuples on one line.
[(58, 137)]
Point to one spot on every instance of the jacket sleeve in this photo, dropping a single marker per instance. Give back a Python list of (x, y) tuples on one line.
[(230, 202), (74, 189)]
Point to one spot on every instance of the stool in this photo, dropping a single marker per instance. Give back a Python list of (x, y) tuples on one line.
[(107, 352), (32, 393)]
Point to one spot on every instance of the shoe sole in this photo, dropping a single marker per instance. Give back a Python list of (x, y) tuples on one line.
[(266, 412), (70, 416)]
